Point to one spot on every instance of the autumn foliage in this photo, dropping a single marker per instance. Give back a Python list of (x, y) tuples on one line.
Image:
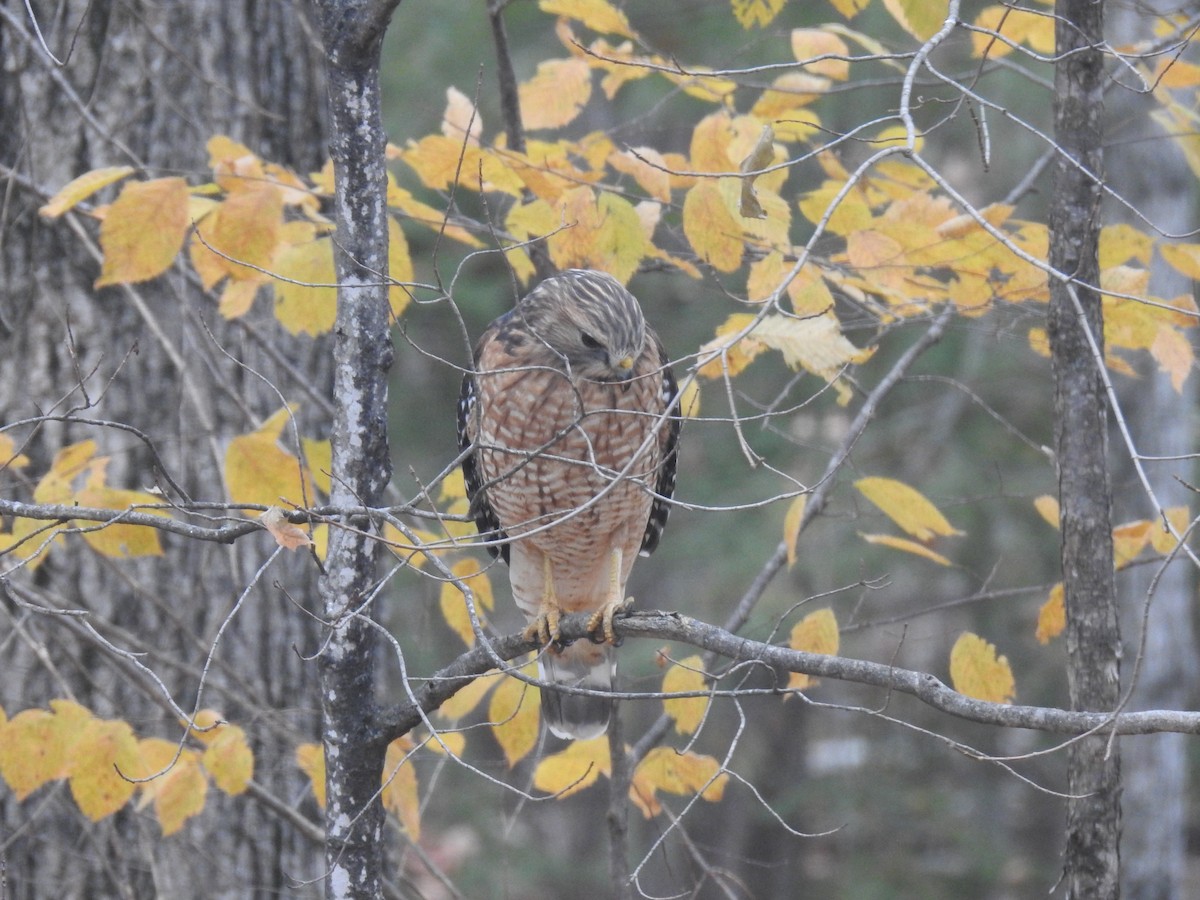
[(790, 220)]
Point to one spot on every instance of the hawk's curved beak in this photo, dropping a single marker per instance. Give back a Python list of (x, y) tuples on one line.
[(625, 371)]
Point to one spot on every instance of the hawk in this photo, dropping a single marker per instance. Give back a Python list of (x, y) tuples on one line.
[(569, 430)]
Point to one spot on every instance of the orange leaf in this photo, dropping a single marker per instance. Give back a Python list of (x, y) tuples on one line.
[(143, 231), (668, 770), (686, 712), (978, 672), (286, 534), (1052, 617)]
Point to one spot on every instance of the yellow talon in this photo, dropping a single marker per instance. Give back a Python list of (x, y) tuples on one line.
[(544, 627), (602, 621)]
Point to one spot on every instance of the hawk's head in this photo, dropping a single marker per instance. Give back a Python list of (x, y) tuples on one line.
[(591, 326)]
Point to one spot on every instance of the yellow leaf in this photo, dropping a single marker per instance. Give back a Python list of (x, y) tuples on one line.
[(849, 8), (400, 269), (79, 189), (689, 399), (686, 712), (598, 15), (9, 457), (851, 214), (469, 696), (179, 792), (244, 231), (454, 604), (1129, 540), (1036, 30), (36, 749), (978, 672), (310, 759), (761, 155), (899, 543), (228, 759), (815, 633), (1175, 73), (453, 742), (811, 43), (1047, 508), (556, 94), (1160, 538), (400, 796), (1183, 258), (461, 120), (305, 287), (1121, 242), (574, 768), (756, 13), (648, 168), (318, 458), (1052, 617), (143, 231), (815, 343), (1174, 355), (69, 462), (710, 227), (117, 540), (668, 770), (514, 712), (907, 507), (103, 760), (920, 18), (791, 526), (726, 353), (237, 298), (259, 472)]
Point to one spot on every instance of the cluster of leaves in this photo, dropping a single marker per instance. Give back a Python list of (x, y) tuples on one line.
[(104, 763)]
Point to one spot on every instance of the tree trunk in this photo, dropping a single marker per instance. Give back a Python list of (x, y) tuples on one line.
[(1080, 411), (146, 84), (1153, 175)]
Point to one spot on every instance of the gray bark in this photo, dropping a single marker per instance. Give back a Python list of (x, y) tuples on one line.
[(146, 84), (1080, 413)]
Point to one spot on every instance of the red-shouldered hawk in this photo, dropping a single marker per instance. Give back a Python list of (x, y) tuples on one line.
[(571, 427)]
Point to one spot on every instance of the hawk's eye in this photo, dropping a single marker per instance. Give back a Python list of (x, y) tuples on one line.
[(590, 342)]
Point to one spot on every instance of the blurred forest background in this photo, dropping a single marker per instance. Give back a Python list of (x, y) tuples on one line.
[(882, 798)]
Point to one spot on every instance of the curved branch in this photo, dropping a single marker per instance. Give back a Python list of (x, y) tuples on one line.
[(446, 682)]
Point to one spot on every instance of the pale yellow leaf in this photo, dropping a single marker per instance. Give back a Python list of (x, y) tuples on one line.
[(1129, 540), (598, 15), (808, 44), (686, 712), (305, 287), (400, 269), (178, 793), (1174, 354), (453, 602), (104, 759), (977, 671), (461, 120), (259, 472), (904, 544), (920, 18), (79, 189), (556, 94), (907, 507), (469, 696)]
